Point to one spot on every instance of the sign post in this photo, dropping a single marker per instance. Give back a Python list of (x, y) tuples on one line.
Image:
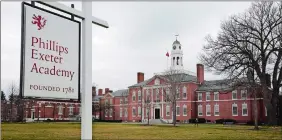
[(50, 62)]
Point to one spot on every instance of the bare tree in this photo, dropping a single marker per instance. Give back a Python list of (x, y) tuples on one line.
[(13, 91), (174, 78), (250, 40), (148, 107)]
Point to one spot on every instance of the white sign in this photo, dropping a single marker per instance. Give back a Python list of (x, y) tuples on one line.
[(51, 55)]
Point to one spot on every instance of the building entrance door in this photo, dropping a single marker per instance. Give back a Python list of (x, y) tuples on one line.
[(157, 113)]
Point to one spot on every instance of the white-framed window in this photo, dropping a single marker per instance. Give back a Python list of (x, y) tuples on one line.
[(243, 94), (111, 112), (265, 110), (177, 93), (125, 112), (157, 95), (234, 95), (60, 111), (184, 91), (234, 109), (133, 96), (106, 102), (71, 109), (139, 110), (208, 110), (125, 100), (133, 111), (200, 110), (216, 110), (200, 96), (120, 112), (177, 110), (184, 110), (139, 95), (244, 109), (39, 104), (208, 96), (216, 96), (120, 101), (111, 101), (167, 110)]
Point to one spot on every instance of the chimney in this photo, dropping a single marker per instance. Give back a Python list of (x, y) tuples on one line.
[(140, 77), (100, 92), (107, 90), (200, 73), (268, 80), (93, 91)]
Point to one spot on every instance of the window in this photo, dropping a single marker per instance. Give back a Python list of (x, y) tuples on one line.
[(184, 110), (244, 109), (125, 100), (120, 112), (71, 110), (133, 96), (184, 91), (39, 104), (60, 111), (208, 110), (106, 102), (234, 110), (120, 101), (39, 114), (243, 94), (199, 96), (111, 112), (139, 95), (234, 95), (200, 110), (216, 110), (167, 110), (111, 101), (177, 93), (139, 111), (147, 112), (125, 112), (133, 111), (177, 110), (208, 96), (216, 96), (157, 95)]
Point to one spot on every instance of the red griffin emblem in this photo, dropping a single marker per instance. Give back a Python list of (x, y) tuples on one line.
[(39, 21)]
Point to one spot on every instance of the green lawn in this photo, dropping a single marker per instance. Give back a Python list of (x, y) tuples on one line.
[(52, 131)]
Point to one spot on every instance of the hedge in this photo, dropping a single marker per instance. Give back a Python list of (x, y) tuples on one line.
[(200, 120), (220, 121)]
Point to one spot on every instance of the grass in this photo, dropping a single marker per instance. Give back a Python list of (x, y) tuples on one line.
[(71, 131)]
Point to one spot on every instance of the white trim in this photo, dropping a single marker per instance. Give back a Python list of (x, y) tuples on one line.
[(176, 110), (200, 94), (214, 95), (208, 94), (243, 91), (244, 106), (216, 105), (184, 90), (234, 92), (208, 106), (184, 107), (133, 108), (200, 106), (234, 105)]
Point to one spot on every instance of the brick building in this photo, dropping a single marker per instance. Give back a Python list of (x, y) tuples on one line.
[(211, 100)]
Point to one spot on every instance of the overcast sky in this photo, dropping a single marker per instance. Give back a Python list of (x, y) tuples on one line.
[(140, 33)]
